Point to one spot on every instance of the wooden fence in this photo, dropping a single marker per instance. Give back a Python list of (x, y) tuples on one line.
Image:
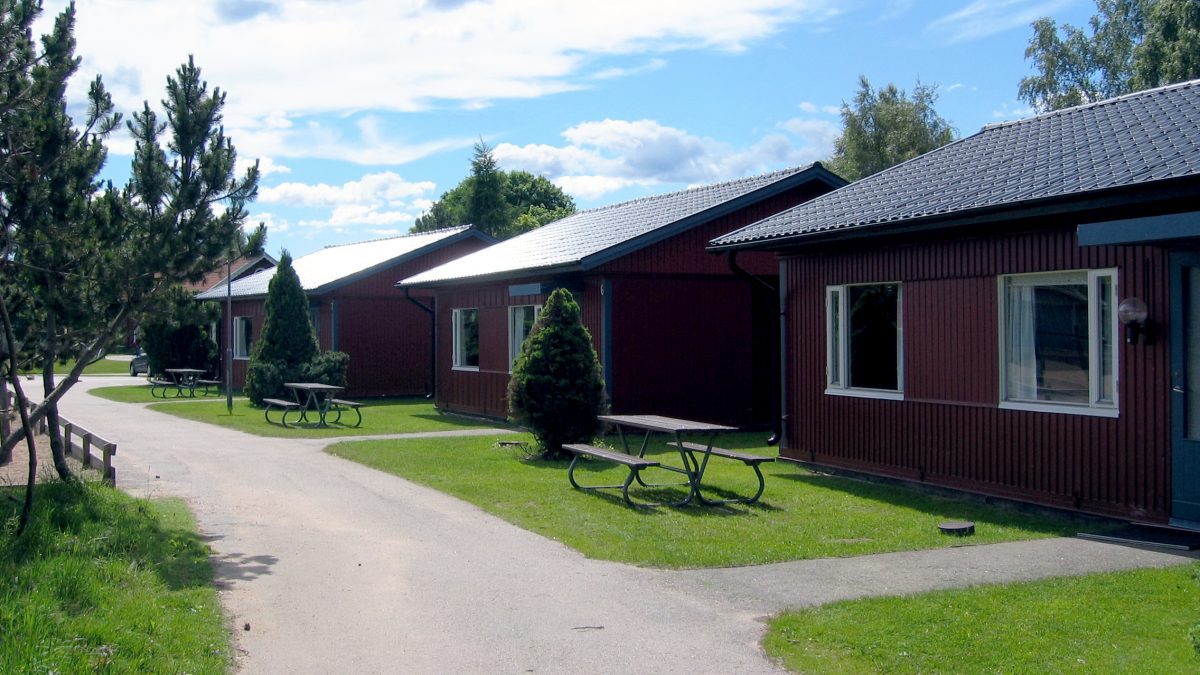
[(80, 443)]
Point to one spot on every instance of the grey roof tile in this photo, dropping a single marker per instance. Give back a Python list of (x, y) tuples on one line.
[(1135, 139), (333, 264), (576, 239)]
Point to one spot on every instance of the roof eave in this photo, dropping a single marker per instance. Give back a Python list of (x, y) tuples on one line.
[(1122, 196), (469, 233), (551, 270)]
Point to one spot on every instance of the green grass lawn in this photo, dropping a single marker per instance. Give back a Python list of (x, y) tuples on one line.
[(380, 416), (101, 367), (140, 393), (101, 582), (1119, 622), (802, 515)]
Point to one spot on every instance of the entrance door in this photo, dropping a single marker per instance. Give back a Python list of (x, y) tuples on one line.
[(1185, 396)]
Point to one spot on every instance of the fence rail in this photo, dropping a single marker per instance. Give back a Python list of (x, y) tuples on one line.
[(82, 450)]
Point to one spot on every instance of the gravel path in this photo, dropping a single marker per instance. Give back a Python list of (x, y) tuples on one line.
[(335, 567)]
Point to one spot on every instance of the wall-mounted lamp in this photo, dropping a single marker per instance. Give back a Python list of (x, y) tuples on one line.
[(1133, 313)]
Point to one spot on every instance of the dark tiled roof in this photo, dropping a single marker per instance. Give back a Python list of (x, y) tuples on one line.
[(333, 264), (585, 238), (1127, 141)]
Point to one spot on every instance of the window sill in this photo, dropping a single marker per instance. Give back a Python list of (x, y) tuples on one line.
[(1062, 409), (466, 369), (866, 393), (241, 358)]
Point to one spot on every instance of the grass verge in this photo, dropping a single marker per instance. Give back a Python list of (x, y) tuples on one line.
[(101, 582), (379, 416), (802, 515), (1118, 622), (100, 367)]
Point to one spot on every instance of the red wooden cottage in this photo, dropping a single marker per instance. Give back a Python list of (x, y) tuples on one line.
[(675, 327), (356, 309), (1014, 314)]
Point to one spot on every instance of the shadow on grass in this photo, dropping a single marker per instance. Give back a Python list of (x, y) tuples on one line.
[(652, 497), (926, 500), (96, 522)]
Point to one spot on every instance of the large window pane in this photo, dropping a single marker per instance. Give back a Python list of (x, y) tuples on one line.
[(466, 338), (1059, 338), (520, 323), (873, 336)]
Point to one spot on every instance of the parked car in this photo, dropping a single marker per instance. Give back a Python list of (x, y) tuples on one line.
[(139, 364)]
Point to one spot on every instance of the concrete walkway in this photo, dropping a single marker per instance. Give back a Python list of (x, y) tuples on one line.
[(334, 567)]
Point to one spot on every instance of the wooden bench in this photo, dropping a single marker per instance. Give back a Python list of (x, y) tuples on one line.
[(280, 404), (632, 462), (748, 459), (208, 385), (338, 404), (163, 386)]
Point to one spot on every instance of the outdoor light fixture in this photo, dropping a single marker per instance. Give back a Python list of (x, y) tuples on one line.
[(1133, 313)]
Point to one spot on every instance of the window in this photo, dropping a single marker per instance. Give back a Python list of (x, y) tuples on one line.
[(466, 339), (242, 327), (863, 331), (520, 324), (314, 317), (1057, 348)]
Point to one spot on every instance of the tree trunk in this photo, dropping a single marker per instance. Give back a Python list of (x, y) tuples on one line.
[(5, 412), (26, 423), (57, 448)]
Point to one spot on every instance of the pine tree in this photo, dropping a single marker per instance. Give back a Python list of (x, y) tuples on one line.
[(288, 343), (556, 389)]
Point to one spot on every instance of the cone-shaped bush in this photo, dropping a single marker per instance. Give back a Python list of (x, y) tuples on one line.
[(288, 342), (556, 389)]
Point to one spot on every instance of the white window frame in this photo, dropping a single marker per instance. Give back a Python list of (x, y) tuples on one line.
[(456, 323), (837, 344), (239, 337), (514, 344), (314, 318), (1095, 407)]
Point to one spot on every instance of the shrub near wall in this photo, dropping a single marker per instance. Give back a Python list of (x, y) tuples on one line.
[(287, 349), (556, 389)]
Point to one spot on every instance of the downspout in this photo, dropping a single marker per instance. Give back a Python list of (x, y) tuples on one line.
[(778, 392), (431, 390), (606, 338)]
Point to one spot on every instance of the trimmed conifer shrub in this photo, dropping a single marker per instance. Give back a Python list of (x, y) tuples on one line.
[(288, 343), (556, 389)]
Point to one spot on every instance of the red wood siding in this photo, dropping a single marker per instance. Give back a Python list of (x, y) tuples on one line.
[(256, 310), (950, 431), (685, 254), (484, 391), (682, 348), (682, 334), (387, 337)]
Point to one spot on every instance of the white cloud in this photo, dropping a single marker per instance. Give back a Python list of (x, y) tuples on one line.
[(604, 156), (358, 214), (372, 189), (808, 107), (611, 73), (1013, 111), (401, 55), (982, 18)]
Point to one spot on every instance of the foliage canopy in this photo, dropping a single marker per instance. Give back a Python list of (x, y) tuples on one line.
[(500, 203), (885, 127), (1129, 45)]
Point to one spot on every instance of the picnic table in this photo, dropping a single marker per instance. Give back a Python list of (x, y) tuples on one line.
[(312, 397), (693, 456), (183, 381)]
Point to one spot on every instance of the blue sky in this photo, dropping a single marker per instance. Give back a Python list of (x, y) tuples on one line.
[(362, 113)]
